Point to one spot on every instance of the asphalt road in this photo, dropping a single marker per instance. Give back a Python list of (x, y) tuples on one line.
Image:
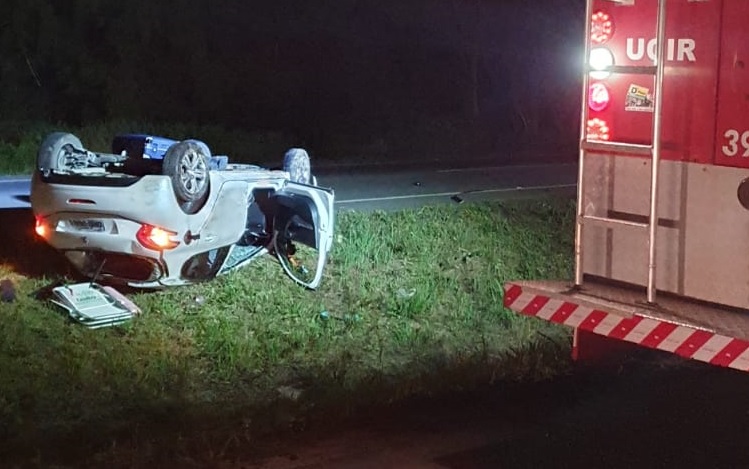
[(391, 187), (396, 189), (14, 192)]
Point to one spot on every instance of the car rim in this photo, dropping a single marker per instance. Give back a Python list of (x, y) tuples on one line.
[(193, 172)]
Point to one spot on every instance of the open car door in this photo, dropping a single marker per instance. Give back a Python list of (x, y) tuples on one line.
[(303, 230)]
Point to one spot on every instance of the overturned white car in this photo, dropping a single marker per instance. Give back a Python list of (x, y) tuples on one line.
[(156, 212)]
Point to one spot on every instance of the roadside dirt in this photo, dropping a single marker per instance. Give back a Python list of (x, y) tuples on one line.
[(657, 412), (660, 413)]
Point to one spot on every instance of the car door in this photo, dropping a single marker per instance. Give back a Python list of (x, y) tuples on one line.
[(303, 230)]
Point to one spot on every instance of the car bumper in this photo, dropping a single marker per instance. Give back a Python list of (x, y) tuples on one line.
[(150, 199)]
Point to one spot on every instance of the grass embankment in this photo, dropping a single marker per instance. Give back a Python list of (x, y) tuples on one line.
[(19, 141), (414, 303)]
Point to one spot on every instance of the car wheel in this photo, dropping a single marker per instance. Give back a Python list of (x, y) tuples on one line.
[(296, 163), (53, 152), (186, 164)]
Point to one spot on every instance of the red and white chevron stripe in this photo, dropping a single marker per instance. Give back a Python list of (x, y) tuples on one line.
[(688, 342)]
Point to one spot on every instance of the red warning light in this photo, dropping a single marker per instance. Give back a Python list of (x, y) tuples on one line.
[(598, 129), (601, 28), (598, 97), (156, 238)]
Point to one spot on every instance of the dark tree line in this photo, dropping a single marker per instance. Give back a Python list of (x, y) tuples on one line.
[(356, 66)]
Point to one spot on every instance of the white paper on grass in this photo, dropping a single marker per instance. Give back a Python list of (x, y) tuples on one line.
[(93, 305)]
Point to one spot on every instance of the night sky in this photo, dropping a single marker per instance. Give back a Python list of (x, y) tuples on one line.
[(489, 71)]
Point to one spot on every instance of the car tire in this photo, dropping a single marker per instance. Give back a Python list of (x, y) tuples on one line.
[(186, 164), (51, 154), (296, 162)]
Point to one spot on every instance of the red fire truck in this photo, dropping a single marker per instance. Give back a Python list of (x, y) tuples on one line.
[(662, 237)]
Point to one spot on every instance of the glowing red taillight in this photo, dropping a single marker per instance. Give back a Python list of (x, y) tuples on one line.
[(156, 238), (601, 27), (598, 97), (598, 129), (40, 227)]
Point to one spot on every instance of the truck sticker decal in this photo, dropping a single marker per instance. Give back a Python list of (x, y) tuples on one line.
[(638, 99)]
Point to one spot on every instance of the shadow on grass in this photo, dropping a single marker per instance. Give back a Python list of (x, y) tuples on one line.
[(23, 252), (211, 434)]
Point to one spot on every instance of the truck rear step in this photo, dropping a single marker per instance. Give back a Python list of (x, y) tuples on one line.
[(703, 332)]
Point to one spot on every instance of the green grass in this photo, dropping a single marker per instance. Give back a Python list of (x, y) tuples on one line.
[(413, 304), (424, 140), (19, 141)]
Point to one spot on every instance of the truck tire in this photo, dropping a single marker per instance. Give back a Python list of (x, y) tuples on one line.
[(296, 163), (186, 164), (51, 154)]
